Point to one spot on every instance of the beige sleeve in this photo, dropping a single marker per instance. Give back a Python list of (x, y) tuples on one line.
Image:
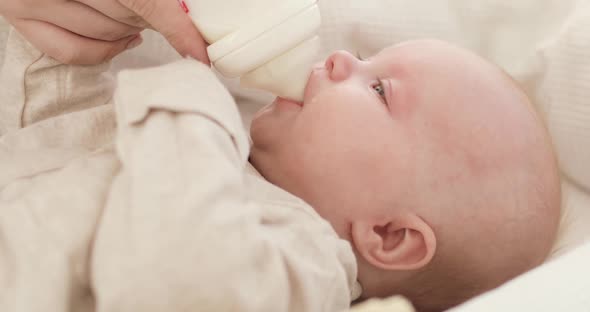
[(47, 225), (46, 104), (50, 197), (179, 232)]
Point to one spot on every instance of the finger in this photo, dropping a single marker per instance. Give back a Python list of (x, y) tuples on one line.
[(116, 11), (168, 18), (86, 21), (68, 47)]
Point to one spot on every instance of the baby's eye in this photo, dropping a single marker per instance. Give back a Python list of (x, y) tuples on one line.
[(380, 89)]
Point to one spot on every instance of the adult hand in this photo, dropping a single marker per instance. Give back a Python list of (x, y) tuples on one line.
[(93, 31), (168, 18)]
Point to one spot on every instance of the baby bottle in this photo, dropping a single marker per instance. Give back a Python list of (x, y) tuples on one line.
[(269, 44)]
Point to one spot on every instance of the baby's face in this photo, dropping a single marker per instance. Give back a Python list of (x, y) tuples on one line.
[(372, 134), (422, 148)]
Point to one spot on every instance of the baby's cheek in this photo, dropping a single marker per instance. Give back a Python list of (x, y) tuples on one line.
[(405, 99)]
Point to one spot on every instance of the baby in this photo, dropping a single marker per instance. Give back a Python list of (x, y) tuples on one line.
[(437, 178), (430, 161)]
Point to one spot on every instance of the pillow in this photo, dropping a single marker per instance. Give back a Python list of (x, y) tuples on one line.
[(556, 286)]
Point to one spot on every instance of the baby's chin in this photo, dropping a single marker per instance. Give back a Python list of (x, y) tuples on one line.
[(266, 128), (278, 114)]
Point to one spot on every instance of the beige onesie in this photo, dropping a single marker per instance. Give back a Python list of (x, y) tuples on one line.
[(168, 218)]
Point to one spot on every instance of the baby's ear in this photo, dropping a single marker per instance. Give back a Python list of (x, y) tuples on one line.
[(405, 242)]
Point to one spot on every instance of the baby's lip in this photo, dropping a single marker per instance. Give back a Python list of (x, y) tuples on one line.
[(312, 83), (282, 100)]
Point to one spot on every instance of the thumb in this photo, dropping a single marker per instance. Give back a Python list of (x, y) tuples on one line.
[(168, 18)]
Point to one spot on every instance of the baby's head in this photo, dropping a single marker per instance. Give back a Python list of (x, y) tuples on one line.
[(429, 160)]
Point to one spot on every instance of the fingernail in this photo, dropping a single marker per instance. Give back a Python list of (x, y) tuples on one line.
[(183, 6), (134, 43)]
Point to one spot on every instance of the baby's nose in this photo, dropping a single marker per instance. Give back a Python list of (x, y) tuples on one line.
[(341, 65)]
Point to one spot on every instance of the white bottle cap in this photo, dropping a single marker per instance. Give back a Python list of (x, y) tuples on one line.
[(275, 52), (286, 75)]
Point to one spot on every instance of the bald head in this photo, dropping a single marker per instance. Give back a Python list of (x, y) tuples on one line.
[(503, 219), (492, 192)]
